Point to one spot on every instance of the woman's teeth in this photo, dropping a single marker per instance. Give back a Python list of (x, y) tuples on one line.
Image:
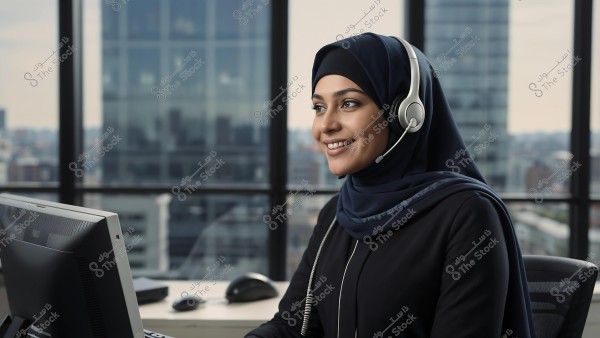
[(339, 144)]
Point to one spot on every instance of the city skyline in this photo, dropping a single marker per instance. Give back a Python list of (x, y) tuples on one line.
[(525, 111)]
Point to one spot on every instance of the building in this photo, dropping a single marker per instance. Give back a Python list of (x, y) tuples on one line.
[(31, 169), (5, 158), (467, 43), (535, 175), (2, 120), (541, 235), (145, 227), (181, 80)]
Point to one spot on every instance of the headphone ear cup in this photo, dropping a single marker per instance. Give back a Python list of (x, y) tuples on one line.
[(394, 111), (412, 110)]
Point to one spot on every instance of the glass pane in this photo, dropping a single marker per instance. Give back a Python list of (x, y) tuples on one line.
[(541, 228), (178, 85), (491, 77), (301, 211), (31, 56), (242, 18), (187, 19), (181, 236), (143, 19), (305, 160)]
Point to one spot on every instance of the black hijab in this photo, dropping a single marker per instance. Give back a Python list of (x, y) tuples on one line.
[(416, 175)]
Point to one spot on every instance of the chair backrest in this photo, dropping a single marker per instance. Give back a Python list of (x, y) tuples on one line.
[(560, 291)]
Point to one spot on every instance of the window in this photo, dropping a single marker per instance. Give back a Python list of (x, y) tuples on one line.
[(29, 93), (513, 123), (180, 80)]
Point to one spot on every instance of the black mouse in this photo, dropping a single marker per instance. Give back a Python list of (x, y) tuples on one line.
[(250, 287), (187, 303)]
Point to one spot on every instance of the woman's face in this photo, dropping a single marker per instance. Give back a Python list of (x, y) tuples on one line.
[(347, 125)]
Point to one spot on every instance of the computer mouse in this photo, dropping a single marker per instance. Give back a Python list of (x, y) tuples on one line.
[(250, 287), (187, 303)]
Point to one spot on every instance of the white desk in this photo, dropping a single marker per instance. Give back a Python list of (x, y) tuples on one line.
[(222, 320), (215, 319), (592, 325)]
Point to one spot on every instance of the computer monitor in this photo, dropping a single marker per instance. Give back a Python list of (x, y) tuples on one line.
[(66, 272)]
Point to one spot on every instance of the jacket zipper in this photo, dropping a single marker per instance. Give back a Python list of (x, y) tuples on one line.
[(341, 288)]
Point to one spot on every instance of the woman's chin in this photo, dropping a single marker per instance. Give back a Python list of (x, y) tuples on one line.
[(335, 170), (338, 170)]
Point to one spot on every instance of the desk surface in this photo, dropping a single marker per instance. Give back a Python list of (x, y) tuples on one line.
[(215, 312)]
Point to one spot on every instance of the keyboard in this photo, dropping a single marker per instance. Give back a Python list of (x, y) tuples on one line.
[(151, 334)]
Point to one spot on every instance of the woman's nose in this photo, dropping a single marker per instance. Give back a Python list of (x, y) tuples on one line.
[(330, 121)]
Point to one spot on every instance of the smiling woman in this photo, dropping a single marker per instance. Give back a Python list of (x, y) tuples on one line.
[(382, 121)]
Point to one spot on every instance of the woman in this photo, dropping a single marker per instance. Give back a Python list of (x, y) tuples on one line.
[(409, 248)]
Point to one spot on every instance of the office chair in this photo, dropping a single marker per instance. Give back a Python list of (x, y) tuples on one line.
[(560, 290)]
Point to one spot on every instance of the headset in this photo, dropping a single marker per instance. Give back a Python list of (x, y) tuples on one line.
[(408, 113)]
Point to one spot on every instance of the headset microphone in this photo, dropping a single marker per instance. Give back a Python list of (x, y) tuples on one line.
[(380, 158), (408, 113)]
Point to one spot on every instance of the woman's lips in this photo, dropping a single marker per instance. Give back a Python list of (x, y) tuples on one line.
[(338, 151)]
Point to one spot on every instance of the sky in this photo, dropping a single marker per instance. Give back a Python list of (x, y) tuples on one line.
[(540, 34)]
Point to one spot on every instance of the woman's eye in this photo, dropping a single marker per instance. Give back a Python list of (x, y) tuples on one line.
[(349, 104), (318, 108)]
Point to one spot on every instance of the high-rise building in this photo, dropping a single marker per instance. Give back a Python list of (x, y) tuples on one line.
[(144, 222), (467, 43), (181, 80), (2, 120)]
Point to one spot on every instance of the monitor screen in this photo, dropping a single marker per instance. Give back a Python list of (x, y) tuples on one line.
[(66, 271)]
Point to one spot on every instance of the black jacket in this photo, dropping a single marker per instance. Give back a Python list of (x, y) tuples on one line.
[(444, 274)]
